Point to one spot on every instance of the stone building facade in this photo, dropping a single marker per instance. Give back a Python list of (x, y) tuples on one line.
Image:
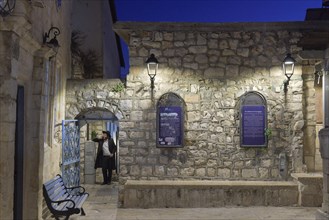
[(30, 135), (210, 66), (26, 62)]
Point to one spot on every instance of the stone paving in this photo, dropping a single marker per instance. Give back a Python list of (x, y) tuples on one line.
[(103, 200)]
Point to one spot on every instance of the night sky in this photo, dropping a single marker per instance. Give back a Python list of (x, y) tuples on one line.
[(212, 11)]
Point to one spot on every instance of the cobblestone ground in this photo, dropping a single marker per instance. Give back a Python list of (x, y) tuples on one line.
[(102, 204)]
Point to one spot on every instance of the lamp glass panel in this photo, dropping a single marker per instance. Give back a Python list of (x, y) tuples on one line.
[(152, 69), (288, 68)]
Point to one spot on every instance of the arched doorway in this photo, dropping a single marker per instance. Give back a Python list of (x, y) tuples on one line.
[(92, 121)]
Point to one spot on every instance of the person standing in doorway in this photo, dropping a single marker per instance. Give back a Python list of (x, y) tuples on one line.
[(106, 156)]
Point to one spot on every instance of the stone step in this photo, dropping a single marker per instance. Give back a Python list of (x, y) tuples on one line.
[(310, 187)]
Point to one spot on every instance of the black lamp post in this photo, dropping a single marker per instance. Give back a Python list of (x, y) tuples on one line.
[(152, 68), (288, 66), (6, 7), (53, 42)]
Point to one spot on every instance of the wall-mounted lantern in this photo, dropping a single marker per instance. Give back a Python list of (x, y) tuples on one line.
[(152, 68), (53, 42), (288, 66), (7, 7)]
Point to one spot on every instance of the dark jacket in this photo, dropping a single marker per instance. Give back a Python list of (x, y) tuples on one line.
[(99, 157)]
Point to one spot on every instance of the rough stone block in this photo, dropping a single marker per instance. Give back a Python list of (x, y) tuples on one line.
[(136, 61), (136, 134), (213, 43), (232, 70), (136, 116), (7, 133), (181, 52), (276, 71), (159, 170), (244, 52), (249, 173), (224, 173), (198, 49), (172, 171), (168, 36), (201, 39), (8, 88), (200, 172), (6, 110), (151, 44), (140, 160), (126, 124), (213, 73), (175, 62), (201, 58), (147, 170), (212, 172), (193, 66), (163, 160), (135, 170), (192, 98), (126, 104), (126, 160), (228, 52)]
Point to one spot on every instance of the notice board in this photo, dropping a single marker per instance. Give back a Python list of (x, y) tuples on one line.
[(170, 121), (253, 120)]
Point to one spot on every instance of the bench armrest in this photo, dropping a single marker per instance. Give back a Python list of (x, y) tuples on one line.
[(65, 200), (77, 187)]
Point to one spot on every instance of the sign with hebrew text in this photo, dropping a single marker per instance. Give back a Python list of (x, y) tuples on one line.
[(253, 120), (170, 122), (253, 126)]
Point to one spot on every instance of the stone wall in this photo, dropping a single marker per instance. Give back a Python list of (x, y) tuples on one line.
[(220, 67), (25, 61)]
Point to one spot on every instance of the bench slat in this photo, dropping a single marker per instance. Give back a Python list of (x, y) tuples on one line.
[(79, 200), (55, 184), (58, 196), (51, 180), (52, 183)]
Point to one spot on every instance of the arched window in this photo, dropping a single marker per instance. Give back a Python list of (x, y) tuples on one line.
[(253, 120), (170, 121)]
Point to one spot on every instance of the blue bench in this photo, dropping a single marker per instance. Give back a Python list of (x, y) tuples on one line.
[(62, 201)]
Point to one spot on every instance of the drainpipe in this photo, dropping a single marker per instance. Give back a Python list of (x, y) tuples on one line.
[(323, 213)]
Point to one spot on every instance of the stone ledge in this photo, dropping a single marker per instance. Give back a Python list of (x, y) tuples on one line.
[(203, 194), (301, 176), (124, 27), (131, 184)]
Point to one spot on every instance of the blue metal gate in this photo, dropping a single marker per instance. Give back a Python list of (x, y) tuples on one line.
[(70, 153)]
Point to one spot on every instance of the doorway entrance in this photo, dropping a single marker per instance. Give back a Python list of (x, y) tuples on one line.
[(92, 122), (19, 155)]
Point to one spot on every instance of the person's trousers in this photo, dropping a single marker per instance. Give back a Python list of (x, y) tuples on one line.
[(107, 169)]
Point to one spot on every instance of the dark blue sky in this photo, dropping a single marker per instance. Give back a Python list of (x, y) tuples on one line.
[(212, 11)]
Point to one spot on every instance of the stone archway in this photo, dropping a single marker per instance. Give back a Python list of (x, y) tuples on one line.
[(73, 110)]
